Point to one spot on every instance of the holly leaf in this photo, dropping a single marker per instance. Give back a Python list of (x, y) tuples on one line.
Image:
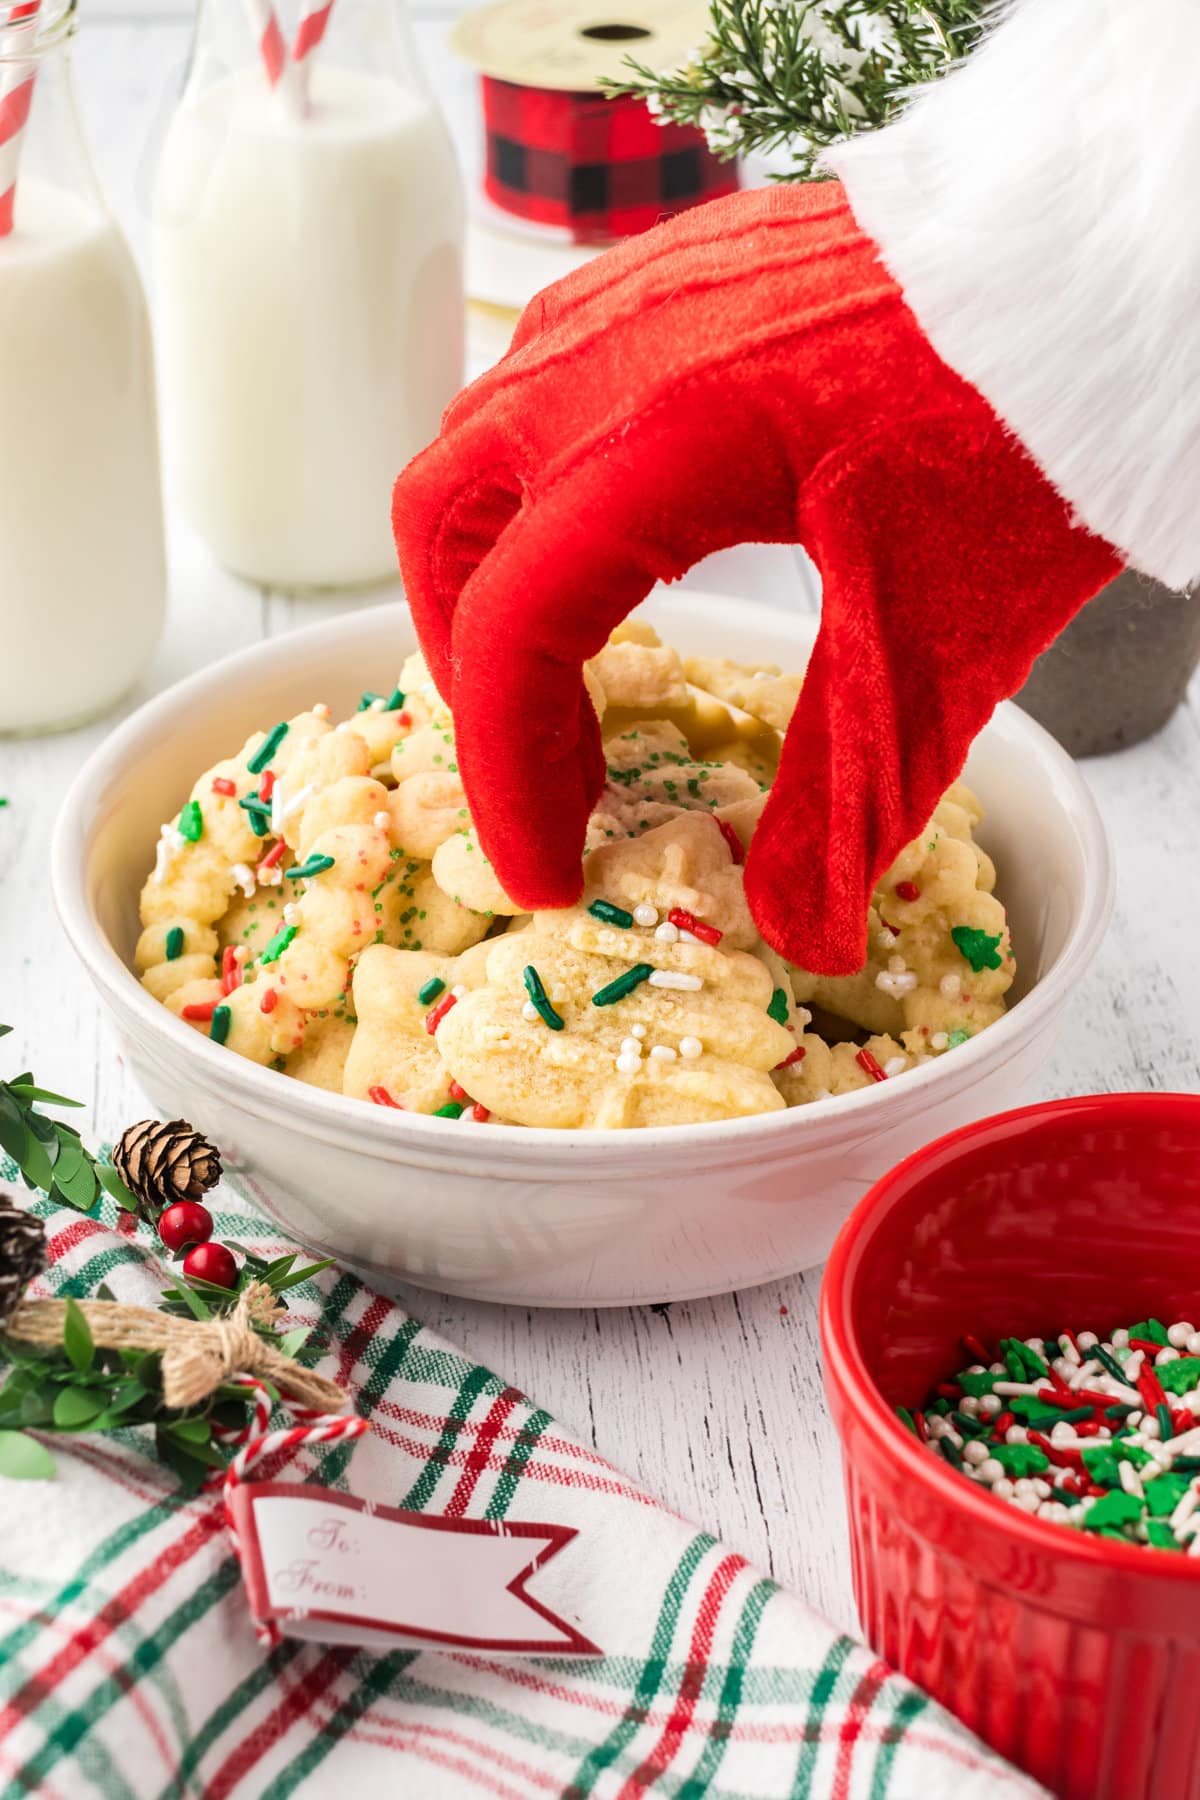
[(27, 1091), (78, 1186), (75, 1409), (77, 1338), (115, 1188), (22, 1458)]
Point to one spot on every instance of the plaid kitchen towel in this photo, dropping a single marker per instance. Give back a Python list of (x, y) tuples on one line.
[(129, 1668)]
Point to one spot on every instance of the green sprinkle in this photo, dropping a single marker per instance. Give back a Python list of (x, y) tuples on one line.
[(951, 1452), (978, 1385), (1162, 1413), (222, 1018), (778, 1009), (1033, 1362), (907, 1420), (610, 914), (1159, 1533), (267, 748), (958, 1036), (1109, 1364), (368, 700), (980, 948), (624, 984), (1164, 1494), (191, 822), (970, 1427), (538, 999), (1117, 1508), (1150, 1331), (452, 1108), (316, 865), (396, 700), (1020, 1459), (175, 943), (278, 944), (1180, 1376)]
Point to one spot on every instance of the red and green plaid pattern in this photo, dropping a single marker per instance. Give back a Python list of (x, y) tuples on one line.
[(129, 1668)]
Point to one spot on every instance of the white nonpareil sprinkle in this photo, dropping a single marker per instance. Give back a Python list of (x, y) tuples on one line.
[(529, 1011), (459, 992), (638, 1031), (895, 985), (667, 933), (291, 913), (688, 937), (1178, 1334), (631, 1046), (1131, 1481), (950, 986), (243, 876), (663, 1052), (690, 1048), (320, 710), (896, 965), (939, 1041), (377, 706), (675, 978), (645, 914), (382, 820), (628, 1064), (895, 1065)]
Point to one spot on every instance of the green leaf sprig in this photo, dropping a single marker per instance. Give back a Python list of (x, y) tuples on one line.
[(800, 75), (50, 1154), (80, 1386)]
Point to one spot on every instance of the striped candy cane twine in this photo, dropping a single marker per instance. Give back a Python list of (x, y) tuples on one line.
[(255, 1442), (18, 25)]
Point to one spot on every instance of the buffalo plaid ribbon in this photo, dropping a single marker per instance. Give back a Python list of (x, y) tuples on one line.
[(600, 168), (129, 1668)]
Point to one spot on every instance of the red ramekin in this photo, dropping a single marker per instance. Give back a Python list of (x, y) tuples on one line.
[(1076, 1657)]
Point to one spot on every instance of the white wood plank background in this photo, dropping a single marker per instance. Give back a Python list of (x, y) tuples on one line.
[(717, 1404)]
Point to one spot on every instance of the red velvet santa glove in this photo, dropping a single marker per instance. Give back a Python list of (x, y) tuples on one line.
[(753, 371)]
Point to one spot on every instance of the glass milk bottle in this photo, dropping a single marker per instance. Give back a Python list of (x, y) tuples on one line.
[(82, 572), (308, 236)]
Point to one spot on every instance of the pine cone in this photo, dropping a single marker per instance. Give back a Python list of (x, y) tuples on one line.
[(22, 1252), (161, 1163)]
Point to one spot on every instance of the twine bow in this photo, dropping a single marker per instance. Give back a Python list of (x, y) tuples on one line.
[(197, 1354)]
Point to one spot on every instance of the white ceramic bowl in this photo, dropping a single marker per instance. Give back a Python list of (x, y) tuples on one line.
[(547, 1218)]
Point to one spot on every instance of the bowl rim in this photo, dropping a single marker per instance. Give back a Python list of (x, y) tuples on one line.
[(846, 1367), (267, 1092)]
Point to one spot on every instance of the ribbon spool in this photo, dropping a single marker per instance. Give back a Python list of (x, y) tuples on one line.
[(559, 155)]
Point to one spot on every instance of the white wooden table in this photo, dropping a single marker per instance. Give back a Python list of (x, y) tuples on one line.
[(716, 1405)]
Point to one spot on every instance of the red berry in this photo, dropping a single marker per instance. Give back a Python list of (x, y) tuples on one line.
[(212, 1262), (184, 1223)]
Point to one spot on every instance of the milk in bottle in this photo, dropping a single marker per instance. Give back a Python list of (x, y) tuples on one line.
[(309, 298), (82, 573)]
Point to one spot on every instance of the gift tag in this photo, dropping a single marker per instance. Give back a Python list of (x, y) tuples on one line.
[(337, 1570)]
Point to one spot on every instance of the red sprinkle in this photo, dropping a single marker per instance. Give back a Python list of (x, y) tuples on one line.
[(273, 856), (199, 1010), (948, 1390), (686, 921), (736, 848), (480, 1113), (798, 1055), (1144, 1344), (1087, 1428), (269, 1001), (867, 1063), (457, 1092), (381, 1097), (436, 1014), (922, 1428), (1064, 1455), (223, 785), (1149, 1388), (907, 890), (1002, 1421), (232, 973), (973, 1347), (404, 718), (266, 786), (894, 929)]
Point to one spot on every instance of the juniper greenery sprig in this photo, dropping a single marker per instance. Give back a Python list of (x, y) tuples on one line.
[(799, 75), (50, 1154)]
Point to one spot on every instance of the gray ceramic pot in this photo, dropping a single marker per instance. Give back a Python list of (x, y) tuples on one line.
[(1119, 670)]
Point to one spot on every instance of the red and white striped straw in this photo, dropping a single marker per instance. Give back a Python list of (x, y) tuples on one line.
[(17, 27), (313, 19), (272, 46)]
